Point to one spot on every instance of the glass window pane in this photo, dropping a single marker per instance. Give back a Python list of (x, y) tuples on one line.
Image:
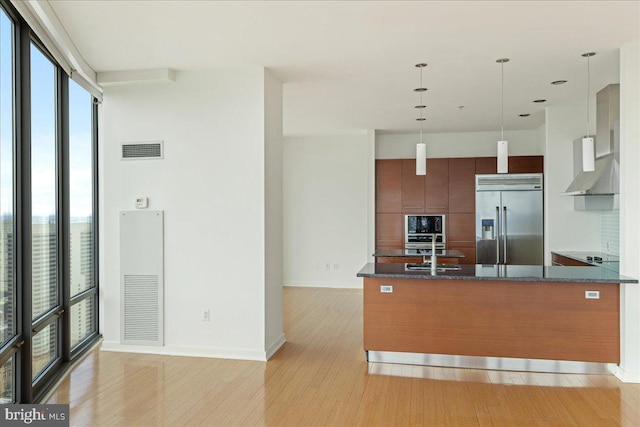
[(43, 183), (7, 300), (80, 188), (82, 324), (7, 382), (44, 349)]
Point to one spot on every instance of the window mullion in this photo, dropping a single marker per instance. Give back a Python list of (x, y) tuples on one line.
[(63, 210)]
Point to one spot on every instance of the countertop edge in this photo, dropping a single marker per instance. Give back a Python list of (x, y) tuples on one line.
[(520, 273), (443, 276)]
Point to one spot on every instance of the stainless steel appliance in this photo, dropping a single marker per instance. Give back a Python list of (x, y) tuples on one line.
[(420, 229), (509, 219)]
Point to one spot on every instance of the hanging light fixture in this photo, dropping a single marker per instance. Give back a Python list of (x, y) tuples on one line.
[(503, 145), (421, 147), (588, 146)]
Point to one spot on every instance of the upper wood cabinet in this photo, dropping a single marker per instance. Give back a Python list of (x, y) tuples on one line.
[(486, 165), (412, 188), (517, 164), (436, 186), (462, 185), (389, 186), (526, 164)]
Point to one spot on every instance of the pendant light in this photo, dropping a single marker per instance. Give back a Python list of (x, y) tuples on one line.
[(503, 145), (588, 146), (421, 147)]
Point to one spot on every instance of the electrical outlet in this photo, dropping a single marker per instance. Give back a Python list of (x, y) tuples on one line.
[(592, 294), (206, 315)]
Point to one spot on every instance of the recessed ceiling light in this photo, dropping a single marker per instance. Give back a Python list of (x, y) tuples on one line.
[(558, 82), (524, 115), (539, 101), (420, 106)]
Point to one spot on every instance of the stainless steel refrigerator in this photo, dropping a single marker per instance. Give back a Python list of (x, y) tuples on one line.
[(509, 219)]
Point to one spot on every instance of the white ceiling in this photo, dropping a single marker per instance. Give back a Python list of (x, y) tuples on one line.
[(349, 65)]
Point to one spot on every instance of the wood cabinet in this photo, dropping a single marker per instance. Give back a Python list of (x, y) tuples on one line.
[(462, 185), (388, 186), (486, 165), (517, 164), (469, 252), (461, 235), (563, 260), (529, 320), (389, 231), (436, 186), (412, 188), (526, 164)]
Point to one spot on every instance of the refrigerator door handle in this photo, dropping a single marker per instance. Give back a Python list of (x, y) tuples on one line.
[(498, 234), (504, 233)]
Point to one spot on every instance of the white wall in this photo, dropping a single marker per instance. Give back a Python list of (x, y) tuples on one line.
[(211, 185), (565, 228), (460, 144), (326, 206), (629, 207), (274, 336)]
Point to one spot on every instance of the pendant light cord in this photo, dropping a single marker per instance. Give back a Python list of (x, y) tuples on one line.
[(502, 99), (421, 104), (588, 81)]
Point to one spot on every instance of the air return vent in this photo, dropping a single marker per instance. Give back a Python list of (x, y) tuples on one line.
[(142, 277), (507, 182), (142, 150)]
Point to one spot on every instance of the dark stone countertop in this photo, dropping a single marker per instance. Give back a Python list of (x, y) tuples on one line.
[(520, 273), (414, 253), (608, 261)]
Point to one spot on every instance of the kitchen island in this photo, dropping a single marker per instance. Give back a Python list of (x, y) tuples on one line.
[(539, 318)]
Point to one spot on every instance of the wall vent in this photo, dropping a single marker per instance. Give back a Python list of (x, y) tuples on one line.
[(142, 150), (142, 278), (141, 309)]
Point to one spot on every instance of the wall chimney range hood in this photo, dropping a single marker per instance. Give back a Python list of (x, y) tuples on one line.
[(598, 190)]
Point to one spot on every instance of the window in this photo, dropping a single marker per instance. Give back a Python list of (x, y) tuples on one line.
[(7, 246), (48, 274), (81, 224)]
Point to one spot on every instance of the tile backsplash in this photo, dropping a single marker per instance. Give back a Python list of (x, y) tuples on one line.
[(610, 232)]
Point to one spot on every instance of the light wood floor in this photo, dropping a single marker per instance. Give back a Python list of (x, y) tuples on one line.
[(320, 377)]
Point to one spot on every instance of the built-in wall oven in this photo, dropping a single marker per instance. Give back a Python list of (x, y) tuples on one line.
[(420, 229)]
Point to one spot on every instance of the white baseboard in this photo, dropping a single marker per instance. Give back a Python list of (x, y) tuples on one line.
[(215, 353), (279, 342), (323, 284), (627, 377)]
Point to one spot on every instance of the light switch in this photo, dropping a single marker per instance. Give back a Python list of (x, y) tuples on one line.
[(142, 202)]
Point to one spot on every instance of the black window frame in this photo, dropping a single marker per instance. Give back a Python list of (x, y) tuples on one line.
[(19, 346)]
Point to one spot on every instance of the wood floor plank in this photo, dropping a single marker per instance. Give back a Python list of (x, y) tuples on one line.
[(320, 377)]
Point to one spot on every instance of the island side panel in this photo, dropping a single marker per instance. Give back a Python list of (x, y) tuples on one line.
[(534, 320)]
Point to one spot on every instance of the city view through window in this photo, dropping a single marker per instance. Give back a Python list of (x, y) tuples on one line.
[(47, 203)]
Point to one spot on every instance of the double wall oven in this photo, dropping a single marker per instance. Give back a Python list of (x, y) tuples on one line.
[(419, 230)]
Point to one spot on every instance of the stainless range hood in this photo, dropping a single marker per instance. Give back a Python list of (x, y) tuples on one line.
[(603, 181), (597, 190)]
